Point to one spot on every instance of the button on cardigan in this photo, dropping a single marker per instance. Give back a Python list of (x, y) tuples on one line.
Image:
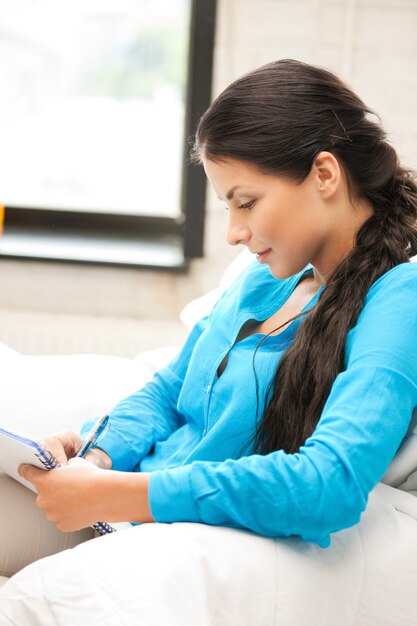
[(194, 430)]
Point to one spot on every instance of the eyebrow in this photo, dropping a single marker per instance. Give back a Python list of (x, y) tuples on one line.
[(231, 191)]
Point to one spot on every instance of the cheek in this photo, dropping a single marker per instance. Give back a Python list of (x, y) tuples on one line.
[(303, 224), (285, 230)]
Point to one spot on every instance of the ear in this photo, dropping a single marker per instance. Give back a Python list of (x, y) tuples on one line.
[(326, 173)]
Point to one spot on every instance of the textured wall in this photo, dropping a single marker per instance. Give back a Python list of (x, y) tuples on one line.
[(371, 43)]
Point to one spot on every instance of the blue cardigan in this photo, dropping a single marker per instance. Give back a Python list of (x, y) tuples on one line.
[(193, 430)]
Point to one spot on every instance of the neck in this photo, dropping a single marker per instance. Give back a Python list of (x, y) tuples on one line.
[(348, 222)]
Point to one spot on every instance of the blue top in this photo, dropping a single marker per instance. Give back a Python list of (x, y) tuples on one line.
[(193, 430)]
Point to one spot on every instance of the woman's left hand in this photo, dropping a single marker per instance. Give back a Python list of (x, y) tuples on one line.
[(79, 494)]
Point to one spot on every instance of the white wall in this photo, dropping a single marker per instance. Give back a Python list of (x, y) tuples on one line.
[(371, 43)]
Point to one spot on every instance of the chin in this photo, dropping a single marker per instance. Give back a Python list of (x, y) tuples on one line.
[(281, 273)]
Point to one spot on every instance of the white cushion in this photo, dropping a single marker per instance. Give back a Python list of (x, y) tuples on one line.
[(196, 574), (199, 307), (45, 394)]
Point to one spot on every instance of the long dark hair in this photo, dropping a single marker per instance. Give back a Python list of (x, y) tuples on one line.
[(279, 117)]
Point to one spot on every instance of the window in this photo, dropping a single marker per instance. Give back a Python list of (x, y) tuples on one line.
[(97, 103)]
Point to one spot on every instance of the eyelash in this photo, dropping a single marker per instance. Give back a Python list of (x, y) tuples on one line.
[(247, 205)]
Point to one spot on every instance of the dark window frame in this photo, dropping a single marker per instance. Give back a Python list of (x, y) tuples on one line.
[(181, 237)]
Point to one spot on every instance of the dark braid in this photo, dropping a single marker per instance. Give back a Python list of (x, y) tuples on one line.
[(279, 118), (309, 366)]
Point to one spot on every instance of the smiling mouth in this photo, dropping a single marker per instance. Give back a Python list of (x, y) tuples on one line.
[(261, 256)]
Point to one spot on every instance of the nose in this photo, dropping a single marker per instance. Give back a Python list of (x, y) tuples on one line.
[(237, 231)]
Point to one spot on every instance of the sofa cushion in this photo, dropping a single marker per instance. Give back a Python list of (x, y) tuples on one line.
[(41, 395)]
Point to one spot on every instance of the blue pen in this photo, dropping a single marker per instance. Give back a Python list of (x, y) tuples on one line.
[(103, 528), (93, 436)]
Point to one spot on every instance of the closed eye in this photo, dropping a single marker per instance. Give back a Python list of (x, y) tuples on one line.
[(247, 205)]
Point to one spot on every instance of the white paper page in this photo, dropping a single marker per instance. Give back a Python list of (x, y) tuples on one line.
[(14, 452)]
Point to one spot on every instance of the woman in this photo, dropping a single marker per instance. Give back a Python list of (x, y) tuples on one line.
[(287, 405)]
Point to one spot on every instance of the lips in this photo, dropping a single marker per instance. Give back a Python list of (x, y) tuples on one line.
[(262, 256)]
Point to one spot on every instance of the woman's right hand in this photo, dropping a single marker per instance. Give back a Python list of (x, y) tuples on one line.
[(64, 446)]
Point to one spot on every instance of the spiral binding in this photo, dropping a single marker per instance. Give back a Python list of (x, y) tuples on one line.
[(103, 528), (47, 458)]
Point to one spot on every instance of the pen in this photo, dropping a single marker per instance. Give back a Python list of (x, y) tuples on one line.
[(93, 436), (103, 528)]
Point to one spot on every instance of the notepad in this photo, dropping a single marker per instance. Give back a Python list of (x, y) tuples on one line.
[(16, 448)]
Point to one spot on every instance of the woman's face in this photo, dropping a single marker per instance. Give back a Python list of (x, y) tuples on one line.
[(286, 224)]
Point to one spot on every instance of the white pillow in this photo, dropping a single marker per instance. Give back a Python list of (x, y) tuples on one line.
[(40, 395), (45, 394), (198, 308)]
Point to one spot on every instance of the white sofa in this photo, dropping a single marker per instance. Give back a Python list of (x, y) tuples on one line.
[(40, 395), (343, 585)]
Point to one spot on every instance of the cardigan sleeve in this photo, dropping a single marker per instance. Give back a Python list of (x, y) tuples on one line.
[(150, 414), (325, 485)]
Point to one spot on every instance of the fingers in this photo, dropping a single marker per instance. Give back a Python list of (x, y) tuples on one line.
[(63, 446), (34, 476), (30, 473)]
